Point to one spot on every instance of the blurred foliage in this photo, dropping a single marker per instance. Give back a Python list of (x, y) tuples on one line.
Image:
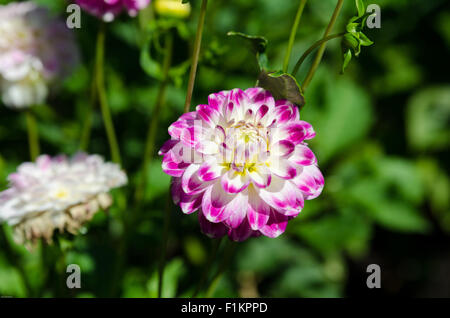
[(382, 143)]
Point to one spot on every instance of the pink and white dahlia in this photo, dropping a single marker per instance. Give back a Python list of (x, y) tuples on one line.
[(107, 10), (243, 163), (57, 193), (36, 50)]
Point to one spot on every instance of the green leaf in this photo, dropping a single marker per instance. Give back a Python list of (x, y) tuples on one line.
[(347, 59), (148, 64), (360, 7), (185, 1), (259, 46), (341, 101), (428, 115), (282, 86), (373, 196)]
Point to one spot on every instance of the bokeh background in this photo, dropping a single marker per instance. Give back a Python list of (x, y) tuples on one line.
[(382, 144)]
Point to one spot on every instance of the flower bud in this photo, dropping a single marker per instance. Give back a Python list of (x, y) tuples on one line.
[(172, 8)]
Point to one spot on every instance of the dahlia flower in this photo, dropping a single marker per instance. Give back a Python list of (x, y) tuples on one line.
[(57, 193), (36, 50), (243, 163), (107, 10)]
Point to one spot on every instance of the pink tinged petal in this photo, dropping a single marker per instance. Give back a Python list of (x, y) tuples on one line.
[(210, 170), (241, 233), (176, 129), (275, 226), (263, 97), (43, 162), (283, 196), (219, 134), (185, 120), (217, 101), (252, 92), (168, 145), (286, 113), (207, 147), (260, 176), (234, 181), (283, 168), (176, 190), (303, 156), (261, 113), (209, 115), (190, 203), (172, 165), (309, 131), (282, 148), (310, 182), (236, 209), (258, 211), (210, 229), (297, 131), (214, 202), (190, 181), (18, 180)]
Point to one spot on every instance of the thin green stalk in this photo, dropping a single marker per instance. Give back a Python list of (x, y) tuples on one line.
[(162, 261), (322, 47), (196, 54), (293, 34), (208, 265), (229, 251), (33, 135), (312, 48), (109, 126), (153, 127)]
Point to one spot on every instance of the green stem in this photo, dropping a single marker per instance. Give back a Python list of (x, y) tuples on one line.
[(162, 261), (196, 54), (312, 48), (322, 47), (99, 69), (293, 34), (153, 127), (33, 136), (229, 251), (208, 265)]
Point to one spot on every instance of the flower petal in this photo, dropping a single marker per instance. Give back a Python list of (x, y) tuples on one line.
[(234, 181), (172, 165), (237, 210), (283, 168), (310, 181), (190, 181), (210, 170), (258, 211), (303, 156), (275, 226), (283, 196), (212, 230), (241, 233), (214, 201), (260, 175)]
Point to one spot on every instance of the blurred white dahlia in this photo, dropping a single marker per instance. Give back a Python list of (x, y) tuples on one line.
[(57, 193), (36, 51)]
